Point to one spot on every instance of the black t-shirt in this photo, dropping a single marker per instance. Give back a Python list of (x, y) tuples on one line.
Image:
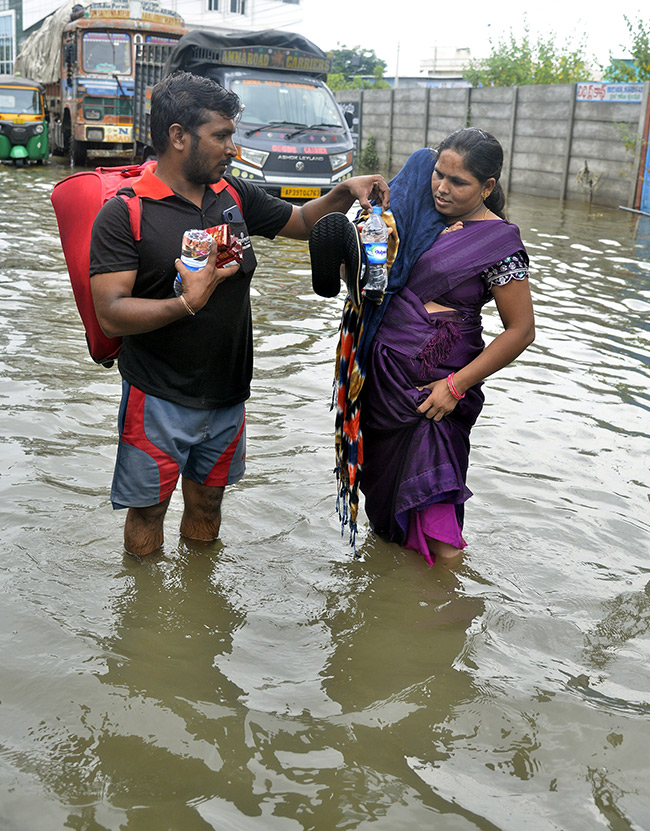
[(204, 361)]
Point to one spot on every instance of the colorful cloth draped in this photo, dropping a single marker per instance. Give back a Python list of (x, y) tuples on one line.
[(411, 461), (418, 224)]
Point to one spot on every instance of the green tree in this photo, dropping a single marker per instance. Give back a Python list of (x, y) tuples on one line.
[(336, 80), (517, 61), (354, 60), (369, 158), (349, 66), (638, 69)]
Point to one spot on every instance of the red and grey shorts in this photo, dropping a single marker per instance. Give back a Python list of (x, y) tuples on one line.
[(160, 440)]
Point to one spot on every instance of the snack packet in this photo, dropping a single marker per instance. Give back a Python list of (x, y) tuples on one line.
[(229, 247)]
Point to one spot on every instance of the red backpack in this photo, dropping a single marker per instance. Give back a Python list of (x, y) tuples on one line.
[(77, 200)]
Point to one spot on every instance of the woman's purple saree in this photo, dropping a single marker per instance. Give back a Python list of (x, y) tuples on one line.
[(411, 462)]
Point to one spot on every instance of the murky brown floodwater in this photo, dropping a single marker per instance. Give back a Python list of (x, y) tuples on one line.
[(272, 682)]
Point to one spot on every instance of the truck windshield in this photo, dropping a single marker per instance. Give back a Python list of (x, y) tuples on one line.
[(19, 101), (107, 52), (298, 103)]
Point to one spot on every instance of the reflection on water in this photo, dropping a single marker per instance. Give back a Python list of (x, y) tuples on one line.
[(270, 681)]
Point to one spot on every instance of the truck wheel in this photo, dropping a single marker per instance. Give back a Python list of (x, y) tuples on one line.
[(19, 162), (78, 153), (66, 133)]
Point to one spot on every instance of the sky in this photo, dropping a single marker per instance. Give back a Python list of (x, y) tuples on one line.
[(418, 29)]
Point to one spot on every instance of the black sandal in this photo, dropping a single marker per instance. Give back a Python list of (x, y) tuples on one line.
[(335, 241)]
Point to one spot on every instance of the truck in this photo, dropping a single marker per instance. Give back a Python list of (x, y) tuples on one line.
[(292, 138), (84, 56)]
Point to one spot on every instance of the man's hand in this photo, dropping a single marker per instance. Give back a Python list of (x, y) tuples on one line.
[(199, 285), (369, 188), (119, 313), (339, 200)]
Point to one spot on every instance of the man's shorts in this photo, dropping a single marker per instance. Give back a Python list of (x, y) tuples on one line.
[(160, 440)]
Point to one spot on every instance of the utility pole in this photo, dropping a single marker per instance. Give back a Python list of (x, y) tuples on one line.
[(396, 83)]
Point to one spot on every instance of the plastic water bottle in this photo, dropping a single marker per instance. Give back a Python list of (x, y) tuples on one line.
[(195, 251), (374, 236)]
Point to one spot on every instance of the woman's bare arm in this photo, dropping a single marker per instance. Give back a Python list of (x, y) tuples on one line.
[(515, 307)]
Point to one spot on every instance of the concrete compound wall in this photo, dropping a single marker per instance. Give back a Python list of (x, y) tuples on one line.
[(548, 137)]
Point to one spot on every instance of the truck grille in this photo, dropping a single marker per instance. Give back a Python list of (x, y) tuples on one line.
[(305, 163)]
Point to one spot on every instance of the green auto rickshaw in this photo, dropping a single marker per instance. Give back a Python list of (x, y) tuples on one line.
[(24, 126)]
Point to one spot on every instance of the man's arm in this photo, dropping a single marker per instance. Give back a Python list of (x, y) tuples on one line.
[(339, 199), (119, 313), (113, 269)]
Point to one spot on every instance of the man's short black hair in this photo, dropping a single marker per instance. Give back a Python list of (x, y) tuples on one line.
[(187, 99)]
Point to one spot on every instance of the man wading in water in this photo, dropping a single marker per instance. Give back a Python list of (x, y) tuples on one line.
[(186, 362)]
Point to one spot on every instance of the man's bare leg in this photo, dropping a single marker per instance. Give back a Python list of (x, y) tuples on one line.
[(202, 515), (143, 529)]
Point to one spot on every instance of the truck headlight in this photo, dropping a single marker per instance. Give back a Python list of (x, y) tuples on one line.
[(38, 129), (254, 157), (338, 160)]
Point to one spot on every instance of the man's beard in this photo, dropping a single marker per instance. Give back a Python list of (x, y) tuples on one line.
[(195, 168)]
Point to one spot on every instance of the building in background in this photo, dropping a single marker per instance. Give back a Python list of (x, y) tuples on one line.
[(443, 67), (240, 15), (445, 62), (8, 30)]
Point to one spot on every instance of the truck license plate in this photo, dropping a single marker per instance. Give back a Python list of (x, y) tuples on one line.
[(299, 193)]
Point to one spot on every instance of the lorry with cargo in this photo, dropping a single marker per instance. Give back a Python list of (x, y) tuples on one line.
[(85, 58), (292, 138)]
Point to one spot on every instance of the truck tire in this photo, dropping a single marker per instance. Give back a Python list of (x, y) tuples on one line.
[(66, 135), (78, 153)]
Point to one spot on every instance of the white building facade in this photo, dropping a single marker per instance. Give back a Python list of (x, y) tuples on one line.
[(239, 15)]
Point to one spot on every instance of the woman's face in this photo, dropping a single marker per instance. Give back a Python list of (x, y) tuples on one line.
[(457, 193)]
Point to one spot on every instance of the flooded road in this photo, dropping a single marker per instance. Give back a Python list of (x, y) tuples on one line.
[(270, 682)]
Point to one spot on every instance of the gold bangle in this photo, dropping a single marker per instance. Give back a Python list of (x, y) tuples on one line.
[(188, 308)]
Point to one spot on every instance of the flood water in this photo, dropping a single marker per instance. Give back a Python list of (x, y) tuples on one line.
[(270, 681)]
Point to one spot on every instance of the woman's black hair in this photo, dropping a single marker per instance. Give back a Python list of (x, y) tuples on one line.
[(483, 157)]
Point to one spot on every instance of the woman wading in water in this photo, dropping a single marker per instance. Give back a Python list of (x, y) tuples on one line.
[(420, 360)]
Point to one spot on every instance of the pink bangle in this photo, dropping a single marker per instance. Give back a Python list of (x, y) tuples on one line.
[(452, 387)]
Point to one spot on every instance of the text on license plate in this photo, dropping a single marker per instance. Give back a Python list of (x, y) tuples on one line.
[(299, 193)]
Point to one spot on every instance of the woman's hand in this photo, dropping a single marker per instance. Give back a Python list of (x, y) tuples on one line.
[(457, 226), (439, 403)]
